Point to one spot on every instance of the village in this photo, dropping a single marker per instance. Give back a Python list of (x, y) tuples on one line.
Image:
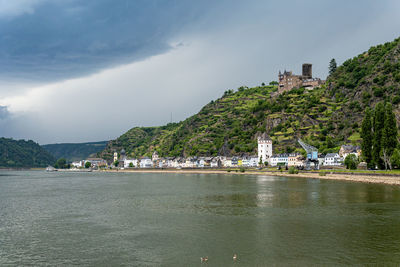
[(265, 158)]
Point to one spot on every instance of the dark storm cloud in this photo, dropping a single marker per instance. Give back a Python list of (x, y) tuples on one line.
[(63, 39)]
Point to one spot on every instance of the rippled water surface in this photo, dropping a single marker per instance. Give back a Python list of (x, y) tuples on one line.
[(114, 219)]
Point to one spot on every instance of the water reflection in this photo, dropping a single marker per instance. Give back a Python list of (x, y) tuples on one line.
[(173, 219)]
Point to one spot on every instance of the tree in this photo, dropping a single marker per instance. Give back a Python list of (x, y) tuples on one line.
[(378, 125), (367, 138), (88, 164), (351, 162), (130, 165), (116, 163), (395, 159), (61, 164), (389, 136), (332, 66), (260, 162)]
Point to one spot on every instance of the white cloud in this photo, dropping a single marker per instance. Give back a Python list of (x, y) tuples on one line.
[(204, 63), (12, 8)]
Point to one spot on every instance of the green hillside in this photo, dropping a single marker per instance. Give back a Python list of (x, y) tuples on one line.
[(325, 117), (75, 151), (22, 154)]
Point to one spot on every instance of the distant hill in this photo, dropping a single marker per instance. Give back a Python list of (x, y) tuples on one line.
[(23, 154), (325, 117), (75, 151)]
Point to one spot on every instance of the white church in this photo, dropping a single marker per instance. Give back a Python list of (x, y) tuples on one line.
[(264, 147)]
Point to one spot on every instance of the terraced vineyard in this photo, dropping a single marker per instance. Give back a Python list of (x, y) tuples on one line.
[(325, 117)]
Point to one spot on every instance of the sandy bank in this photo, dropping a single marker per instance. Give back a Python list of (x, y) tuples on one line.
[(391, 180)]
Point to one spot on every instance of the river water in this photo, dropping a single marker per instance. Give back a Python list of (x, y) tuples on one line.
[(146, 219)]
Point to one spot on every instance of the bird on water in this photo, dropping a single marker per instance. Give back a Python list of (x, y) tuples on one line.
[(204, 259)]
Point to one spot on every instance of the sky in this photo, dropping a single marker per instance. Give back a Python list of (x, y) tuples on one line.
[(80, 71)]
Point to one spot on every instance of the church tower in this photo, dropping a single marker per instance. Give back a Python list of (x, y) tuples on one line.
[(264, 147)]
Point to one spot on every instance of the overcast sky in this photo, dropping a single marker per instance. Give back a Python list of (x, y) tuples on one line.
[(78, 70)]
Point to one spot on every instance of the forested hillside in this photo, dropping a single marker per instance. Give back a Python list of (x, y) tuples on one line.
[(325, 117), (21, 153), (75, 151)]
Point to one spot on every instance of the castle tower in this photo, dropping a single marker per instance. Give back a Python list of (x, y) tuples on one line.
[(115, 156), (307, 71), (264, 147), (123, 154)]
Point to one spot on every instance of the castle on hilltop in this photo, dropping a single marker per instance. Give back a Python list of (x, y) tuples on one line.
[(288, 81)]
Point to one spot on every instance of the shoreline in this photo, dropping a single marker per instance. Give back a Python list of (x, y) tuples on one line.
[(361, 178)]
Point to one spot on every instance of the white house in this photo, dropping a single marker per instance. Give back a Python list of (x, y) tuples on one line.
[(253, 162), (333, 159), (321, 159), (246, 162), (146, 163), (201, 162), (279, 159), (215, 163), (264, 147), (346, 150), (227, 162), (128, 161), (78, 164), (190, 163), (295, 160)]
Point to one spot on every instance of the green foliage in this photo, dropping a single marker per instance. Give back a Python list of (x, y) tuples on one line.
[(21, 153), (131, 165), (61, 164), (378, 126), (327, 116), (351, 162), (88, 165), (293, 170), (395, 159), (322, 173), (332, 66), (389, 135), (367, 138), (76, 151), (116, 163), (379, 138)]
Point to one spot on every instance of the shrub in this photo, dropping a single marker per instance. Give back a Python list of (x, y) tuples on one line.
[(322, 173), (293, 170), (396, 100), (351, 162), (88, 165), (378, 91), (242, 169)]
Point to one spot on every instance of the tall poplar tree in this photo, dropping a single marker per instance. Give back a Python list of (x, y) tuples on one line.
[(378, 125), (389, 136), (332, 66), (367, 138)]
